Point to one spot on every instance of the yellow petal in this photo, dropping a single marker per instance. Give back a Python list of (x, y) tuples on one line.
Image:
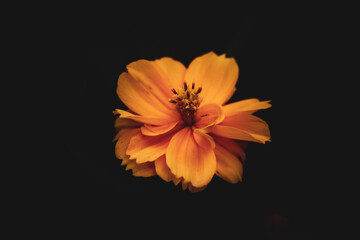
[(187, 160), (217, 75), (147, 148), (249, 105), (243, 126), (228, 166)]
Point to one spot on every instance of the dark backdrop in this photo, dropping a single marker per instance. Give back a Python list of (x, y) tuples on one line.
[(277, 196)]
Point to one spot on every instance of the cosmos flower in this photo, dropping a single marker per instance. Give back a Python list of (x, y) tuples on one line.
[(178, 126)]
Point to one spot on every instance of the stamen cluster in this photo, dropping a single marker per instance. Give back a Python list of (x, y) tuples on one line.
[(187, 101)]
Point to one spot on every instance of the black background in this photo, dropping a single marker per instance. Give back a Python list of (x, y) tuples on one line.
[(278, 196)]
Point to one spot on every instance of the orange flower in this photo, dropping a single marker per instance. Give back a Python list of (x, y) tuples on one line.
[(177, 125)]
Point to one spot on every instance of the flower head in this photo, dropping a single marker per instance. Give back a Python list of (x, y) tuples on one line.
[(178, 126)]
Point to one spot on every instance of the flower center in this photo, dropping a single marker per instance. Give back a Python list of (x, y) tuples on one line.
[(187, 101)]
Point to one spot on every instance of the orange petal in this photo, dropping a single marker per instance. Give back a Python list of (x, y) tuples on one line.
[(144, 170), (187, 185), (162, 169), (147, 148), (249, 105), (121, 123), (173, 72), (233, 146), (243, 127), (203, 140), (154, 120), (187, 160), (123, 137), (153, 130), (158, 77), (141, 170), (217, 75), (125, 160), (234, 133), (164, 172), (228, 166), (140, 98), (208, 116)]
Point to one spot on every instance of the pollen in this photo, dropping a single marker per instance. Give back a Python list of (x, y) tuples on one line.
[(187, 101)]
